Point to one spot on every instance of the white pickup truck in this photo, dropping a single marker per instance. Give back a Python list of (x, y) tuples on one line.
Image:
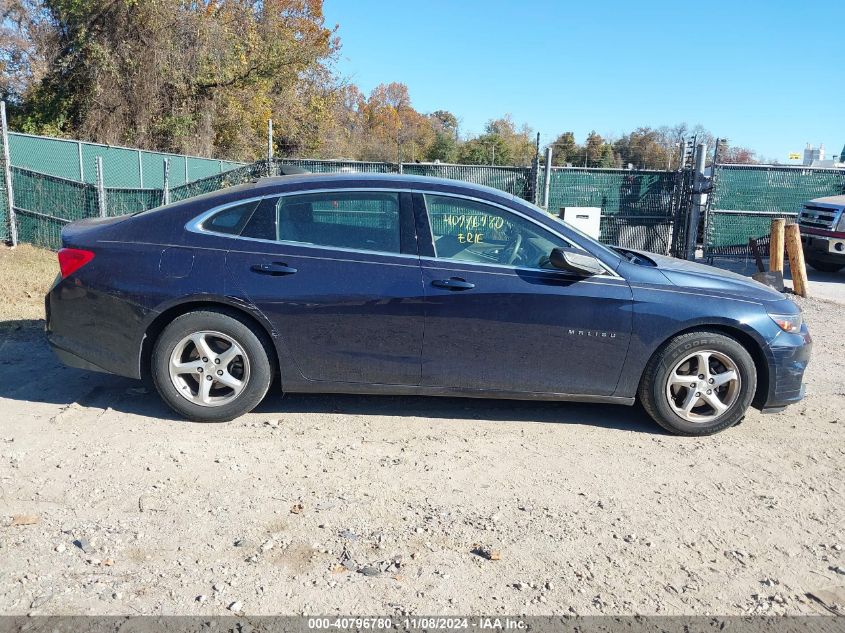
[(822, 224)]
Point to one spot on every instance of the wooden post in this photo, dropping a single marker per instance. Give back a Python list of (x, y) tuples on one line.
[(776, 245), (796, 260)]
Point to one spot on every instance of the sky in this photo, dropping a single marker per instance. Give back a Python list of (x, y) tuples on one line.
[(768, 75)]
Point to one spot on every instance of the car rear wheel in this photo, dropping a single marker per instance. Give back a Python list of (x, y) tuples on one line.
[(825, 267), (210, 366), (699, 383)]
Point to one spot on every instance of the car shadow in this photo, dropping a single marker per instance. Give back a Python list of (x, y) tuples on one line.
[(29, 372), (609, 416)]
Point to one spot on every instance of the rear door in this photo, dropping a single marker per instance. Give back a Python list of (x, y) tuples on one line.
[(500, 317), (338, 275)]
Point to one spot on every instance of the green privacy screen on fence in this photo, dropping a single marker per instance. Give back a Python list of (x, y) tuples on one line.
[(637, 207), (640, 209), (745, 198), (123, 167)]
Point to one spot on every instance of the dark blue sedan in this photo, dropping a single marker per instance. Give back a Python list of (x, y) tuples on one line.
[(376, 284)]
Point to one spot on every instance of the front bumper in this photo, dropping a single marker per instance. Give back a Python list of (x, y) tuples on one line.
[(788, 359), (823, 248)]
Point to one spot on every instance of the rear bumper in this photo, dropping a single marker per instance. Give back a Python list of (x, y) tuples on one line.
[(790, 354), (93, 330), (72, 360)]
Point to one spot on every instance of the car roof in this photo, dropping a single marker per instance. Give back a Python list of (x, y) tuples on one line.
[(298, 183), (404, 180)]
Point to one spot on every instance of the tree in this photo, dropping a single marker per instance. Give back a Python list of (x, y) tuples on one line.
[(645, 148), (444, 148), (737, 155), (607, 157), (501, 144), (593, 149), (565, 150), (199, 77)]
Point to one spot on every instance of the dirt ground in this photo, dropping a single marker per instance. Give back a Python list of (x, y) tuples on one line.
[(387, 505), (26, 273)]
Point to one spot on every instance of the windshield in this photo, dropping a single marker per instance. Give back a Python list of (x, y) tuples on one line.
[(594, 243)]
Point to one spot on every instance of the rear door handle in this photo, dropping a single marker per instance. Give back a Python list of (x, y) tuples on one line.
[(455, 283), (276, 269)]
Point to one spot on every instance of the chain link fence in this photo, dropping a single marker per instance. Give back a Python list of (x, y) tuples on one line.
[(745, 199), (642, 209), (637, 206)]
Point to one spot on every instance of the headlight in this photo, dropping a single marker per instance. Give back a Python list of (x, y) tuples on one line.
[(788, 322), (840, 226)]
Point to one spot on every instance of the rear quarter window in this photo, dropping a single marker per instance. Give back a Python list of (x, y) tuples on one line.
[(230, 220)]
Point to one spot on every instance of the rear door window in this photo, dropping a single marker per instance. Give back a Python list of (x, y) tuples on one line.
[(368, 221)]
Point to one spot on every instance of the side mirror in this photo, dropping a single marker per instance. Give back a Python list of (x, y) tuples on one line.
[(575, 261)]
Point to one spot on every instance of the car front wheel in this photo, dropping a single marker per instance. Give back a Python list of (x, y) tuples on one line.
[(699, 383), (209, 366)]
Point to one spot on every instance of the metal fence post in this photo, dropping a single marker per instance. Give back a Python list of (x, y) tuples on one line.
[(140, 170), (548, 175), (101, 189), (699, 200), (7, 175), (166, 185), (81, 165)]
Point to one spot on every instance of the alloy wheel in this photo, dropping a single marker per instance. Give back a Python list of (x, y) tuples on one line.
[(703, 386), (209, 368)]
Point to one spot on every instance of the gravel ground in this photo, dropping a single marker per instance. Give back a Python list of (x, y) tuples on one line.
[(378, 505)]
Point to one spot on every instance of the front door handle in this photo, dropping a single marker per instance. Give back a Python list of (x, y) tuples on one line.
[(276, 269), (455, 283)]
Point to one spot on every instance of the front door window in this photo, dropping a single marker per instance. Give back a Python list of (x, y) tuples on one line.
[(471, 231)]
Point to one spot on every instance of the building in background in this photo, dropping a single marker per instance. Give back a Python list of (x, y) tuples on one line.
[(815, 157), (812, 154)]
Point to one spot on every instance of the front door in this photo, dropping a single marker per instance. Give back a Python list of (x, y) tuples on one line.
[(340, 279), (499, 317)]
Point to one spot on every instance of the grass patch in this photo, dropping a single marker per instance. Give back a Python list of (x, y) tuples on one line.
[(26, 273)]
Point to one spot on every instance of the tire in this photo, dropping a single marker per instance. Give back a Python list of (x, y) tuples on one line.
[(825, 267), (194, 343), (677, 407)]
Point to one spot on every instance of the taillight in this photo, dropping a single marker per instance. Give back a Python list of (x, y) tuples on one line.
[(72, 259)]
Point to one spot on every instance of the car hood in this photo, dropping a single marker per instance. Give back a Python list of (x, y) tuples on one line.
[(687, 274)]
